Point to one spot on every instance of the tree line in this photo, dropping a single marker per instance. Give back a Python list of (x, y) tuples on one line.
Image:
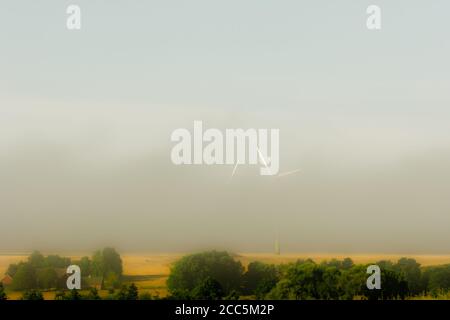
[(104, 270), (218, 275)]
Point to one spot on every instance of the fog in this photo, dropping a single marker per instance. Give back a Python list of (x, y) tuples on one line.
[(86, 119)]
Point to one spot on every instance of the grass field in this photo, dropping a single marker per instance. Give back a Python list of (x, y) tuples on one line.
[(150, 271)]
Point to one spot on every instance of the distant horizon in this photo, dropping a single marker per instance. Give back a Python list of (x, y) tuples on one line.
[(290, 253)]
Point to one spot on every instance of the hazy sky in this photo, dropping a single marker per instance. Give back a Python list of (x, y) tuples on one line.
[(86, 118)]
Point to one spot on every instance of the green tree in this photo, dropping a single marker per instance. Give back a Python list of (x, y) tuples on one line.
[(107, 263), (233, 295), (36, 260), (60, 295), (303, 280), (300, 282), (93, 294), (97, 265), (282, 291), (133, 292), (32, 295), (111, 294), (145, 296), (73, 295), (347, 263), (25, 277), (112, 261), (111, 280), (128, 292), (259, 279), (385, 264), (46, 278), (85, 266), (413, 275), (437, 279), (209, 289), (122, 294), (328, 288), (3, 295), (12, 269), (193, 270), (352, 282), (56, 261), (393, 285)]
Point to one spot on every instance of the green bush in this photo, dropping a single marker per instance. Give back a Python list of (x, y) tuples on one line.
[(3, 295), (32, 295)]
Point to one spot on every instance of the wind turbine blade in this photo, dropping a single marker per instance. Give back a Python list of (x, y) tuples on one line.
[(289, 173)]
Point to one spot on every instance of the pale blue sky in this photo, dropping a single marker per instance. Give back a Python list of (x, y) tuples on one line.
[(244, 54)]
